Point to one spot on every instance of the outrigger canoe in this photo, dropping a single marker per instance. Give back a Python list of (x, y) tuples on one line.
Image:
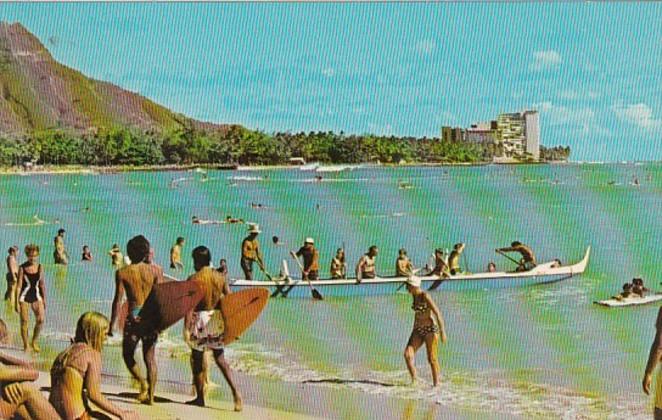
[(294, 287)]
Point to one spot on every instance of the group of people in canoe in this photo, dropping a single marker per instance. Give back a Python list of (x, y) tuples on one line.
[(76, 372), (444, 265)]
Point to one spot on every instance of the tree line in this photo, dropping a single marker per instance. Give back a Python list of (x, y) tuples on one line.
[(236, 145)]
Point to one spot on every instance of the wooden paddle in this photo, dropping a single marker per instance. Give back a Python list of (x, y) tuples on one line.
[(509, 257), (313, 291)]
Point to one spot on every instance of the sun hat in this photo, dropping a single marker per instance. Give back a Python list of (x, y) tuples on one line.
[(414, 281), (309, 240), (254, 228)]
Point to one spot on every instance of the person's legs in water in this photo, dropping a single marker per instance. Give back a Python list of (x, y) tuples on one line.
[(129, 344), (219, 357), (415, 342), (431, 345), (199, 369), (39, 312), (149, 356)]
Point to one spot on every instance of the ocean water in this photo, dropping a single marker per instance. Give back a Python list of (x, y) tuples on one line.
[(540, 351)]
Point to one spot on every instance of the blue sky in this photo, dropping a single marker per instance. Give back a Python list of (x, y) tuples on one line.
[(594, 71)]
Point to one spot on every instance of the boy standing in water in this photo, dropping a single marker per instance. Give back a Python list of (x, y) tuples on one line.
[(60, 254), (136, 280), (203, 327), (176, 254)]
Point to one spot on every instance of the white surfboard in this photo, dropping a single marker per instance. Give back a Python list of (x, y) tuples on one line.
[(630, 301)]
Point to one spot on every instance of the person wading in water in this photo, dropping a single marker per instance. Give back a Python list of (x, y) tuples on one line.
[(428, 329)]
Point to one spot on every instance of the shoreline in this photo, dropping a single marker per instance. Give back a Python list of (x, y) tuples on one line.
[(105, 170)]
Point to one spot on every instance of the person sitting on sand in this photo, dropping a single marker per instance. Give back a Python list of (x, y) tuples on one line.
[(176, 254), (116, 257), (428, 329), (87, 254), (76, 372), (11, 295), (136, 280), (20, 399), (203, 327), (638, 288), (403, 265), (627, 292), (32, 295), (338, 265), (60, 254)]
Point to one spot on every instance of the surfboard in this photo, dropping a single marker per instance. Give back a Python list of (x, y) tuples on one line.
[(630, 301), (167, 303), (124, 309), (240, 310)]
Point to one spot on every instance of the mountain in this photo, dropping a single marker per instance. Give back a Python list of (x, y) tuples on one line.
[(38, 93)]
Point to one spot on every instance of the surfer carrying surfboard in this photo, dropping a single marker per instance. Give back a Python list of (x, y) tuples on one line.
[(204, 326), (136, 281)]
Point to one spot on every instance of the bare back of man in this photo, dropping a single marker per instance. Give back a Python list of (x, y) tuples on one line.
[(137, 280), (200, 327)]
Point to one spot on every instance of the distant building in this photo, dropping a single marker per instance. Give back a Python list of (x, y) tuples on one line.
[(483, 132), (452, 134), (518, 134)]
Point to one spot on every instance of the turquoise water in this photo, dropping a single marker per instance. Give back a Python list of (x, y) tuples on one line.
[(532, 351)]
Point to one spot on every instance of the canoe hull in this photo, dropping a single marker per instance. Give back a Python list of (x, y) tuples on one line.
[(543, 274)]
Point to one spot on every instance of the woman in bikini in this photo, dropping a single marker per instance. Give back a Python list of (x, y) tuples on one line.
[(31, 295), (428, 329), (76, 372)]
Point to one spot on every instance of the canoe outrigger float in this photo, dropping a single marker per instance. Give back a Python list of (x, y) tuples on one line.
[(287, 286)]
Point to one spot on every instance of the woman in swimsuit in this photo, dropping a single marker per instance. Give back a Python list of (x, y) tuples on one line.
[(31, 295), (428, 328), (76, 372)]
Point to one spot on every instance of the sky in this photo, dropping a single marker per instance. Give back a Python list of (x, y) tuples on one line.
[(593, 71)]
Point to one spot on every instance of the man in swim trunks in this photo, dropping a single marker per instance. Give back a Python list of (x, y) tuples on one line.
[(136, 280), (528, 260), (311, 259), (365, 269), (11, 295), (60, 254), (176, 254), (653, 358), (403, 265), (454, 259), (204, 326), (250, 252)]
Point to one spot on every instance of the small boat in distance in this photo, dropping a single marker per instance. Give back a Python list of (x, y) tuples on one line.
[(549, 272)]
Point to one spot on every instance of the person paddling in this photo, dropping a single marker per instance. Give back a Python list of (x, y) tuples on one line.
[(338, 268), (428, 329), (454, 259), (528, 260), (365, 269), (403, 265), (310, 259), (203, 327), (250, 252)]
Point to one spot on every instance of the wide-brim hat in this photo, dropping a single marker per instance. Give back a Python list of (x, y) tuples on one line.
[(414, 281), (254, 228), (309, 240)]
